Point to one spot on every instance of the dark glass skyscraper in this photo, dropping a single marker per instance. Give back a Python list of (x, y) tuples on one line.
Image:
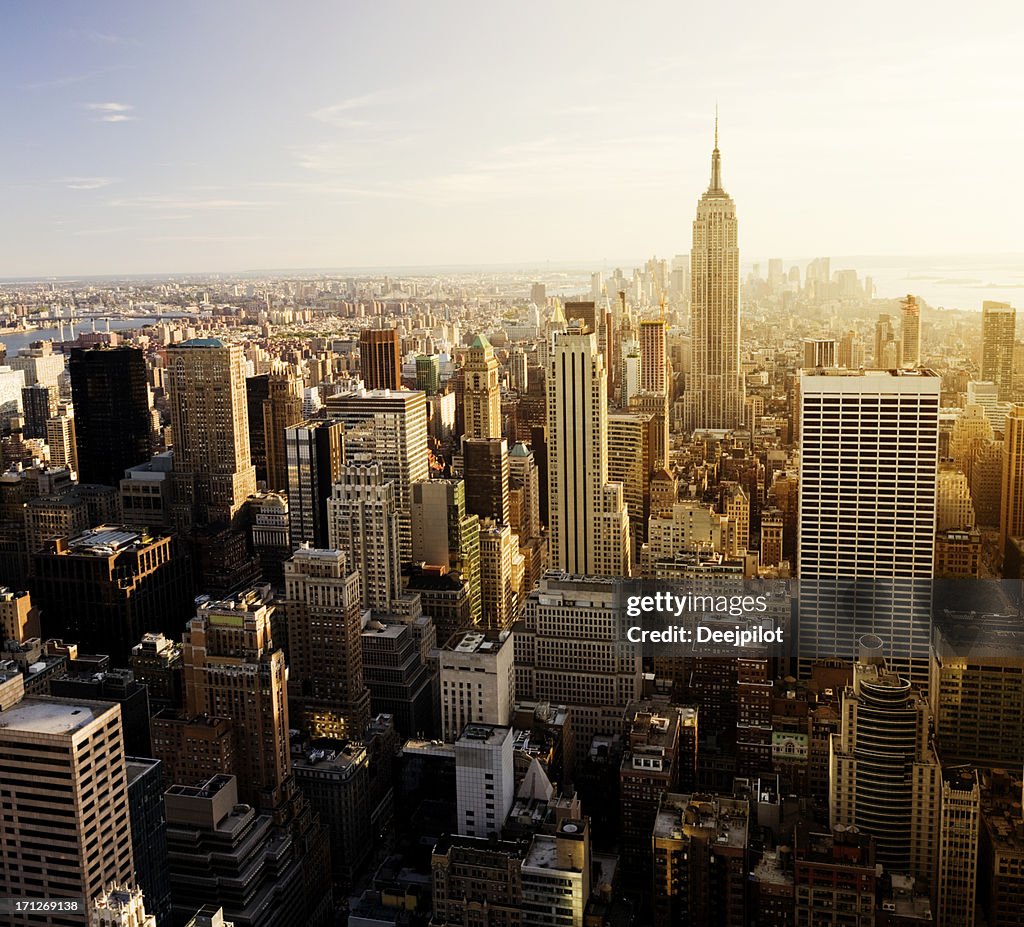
[(112, 424)]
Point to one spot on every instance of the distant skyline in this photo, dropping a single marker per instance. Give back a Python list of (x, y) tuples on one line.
[(191, 137)]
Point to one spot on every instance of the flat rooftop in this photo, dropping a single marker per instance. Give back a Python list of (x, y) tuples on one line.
[(54, 717), (475, 642), (490, 734)]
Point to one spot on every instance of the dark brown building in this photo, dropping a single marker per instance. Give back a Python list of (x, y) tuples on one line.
[(380, 358), (105, 588)]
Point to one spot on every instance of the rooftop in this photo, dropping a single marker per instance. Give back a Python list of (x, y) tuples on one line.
[(107, 540), (52, 716), (201, 343), (476, 642), (491, 734), (680, 816)]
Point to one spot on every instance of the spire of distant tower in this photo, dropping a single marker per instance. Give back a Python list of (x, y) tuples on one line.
[(716, 162)]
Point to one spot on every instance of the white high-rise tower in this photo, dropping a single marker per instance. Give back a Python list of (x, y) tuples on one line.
[(588, 519), (868, 472), (714, 391)]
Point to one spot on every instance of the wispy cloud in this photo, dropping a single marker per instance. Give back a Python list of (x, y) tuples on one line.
[(110, 230), (178, 204), (339, 114), (206, 238), (85, 183), (69, 79), (109, 38), (112, 112)]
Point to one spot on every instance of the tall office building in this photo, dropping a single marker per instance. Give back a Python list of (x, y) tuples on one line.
[(887, 343), (910, 332), (481, 392), (325, 650), (501, 575), (478, 682), (653, 360), (232, 670), (380, 358), (399, 429), (998, 327), (485, 469), (149, 834), (363, 522), (820, 352), (213, 473), (868, 462), (632, 439), (112, 421), (62, 441), (257, 390), (445, 535), (66, 830), (281, 408), (714, 391), (484, 779), (428, 373), (571, 648), (851, 351), (588, 519), (39, 403), (884, 774), (1011, 499), (315, 451), (959, 830)]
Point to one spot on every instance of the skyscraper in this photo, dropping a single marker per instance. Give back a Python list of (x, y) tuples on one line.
[(232, 670), (884, 774), (399, 438), (428, 373), (324, 644), (1011, 499), (653, 362), (588, 520), (714, 391), (486, 474), (445, 535), (39, 403), (281, 408), (820, 352), (571, 648), (910, 332), (481, 392), (112, 422), (213, 473), (66, 830), (380, 358), (998, 325), (868, 462), (315, 451), (363, 522)]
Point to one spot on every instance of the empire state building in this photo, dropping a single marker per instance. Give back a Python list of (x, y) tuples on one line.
[(714, 395)]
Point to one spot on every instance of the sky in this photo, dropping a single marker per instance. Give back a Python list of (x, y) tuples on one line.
[(228, 136)]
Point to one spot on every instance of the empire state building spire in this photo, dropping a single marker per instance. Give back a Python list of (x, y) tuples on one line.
[(716, 163)]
